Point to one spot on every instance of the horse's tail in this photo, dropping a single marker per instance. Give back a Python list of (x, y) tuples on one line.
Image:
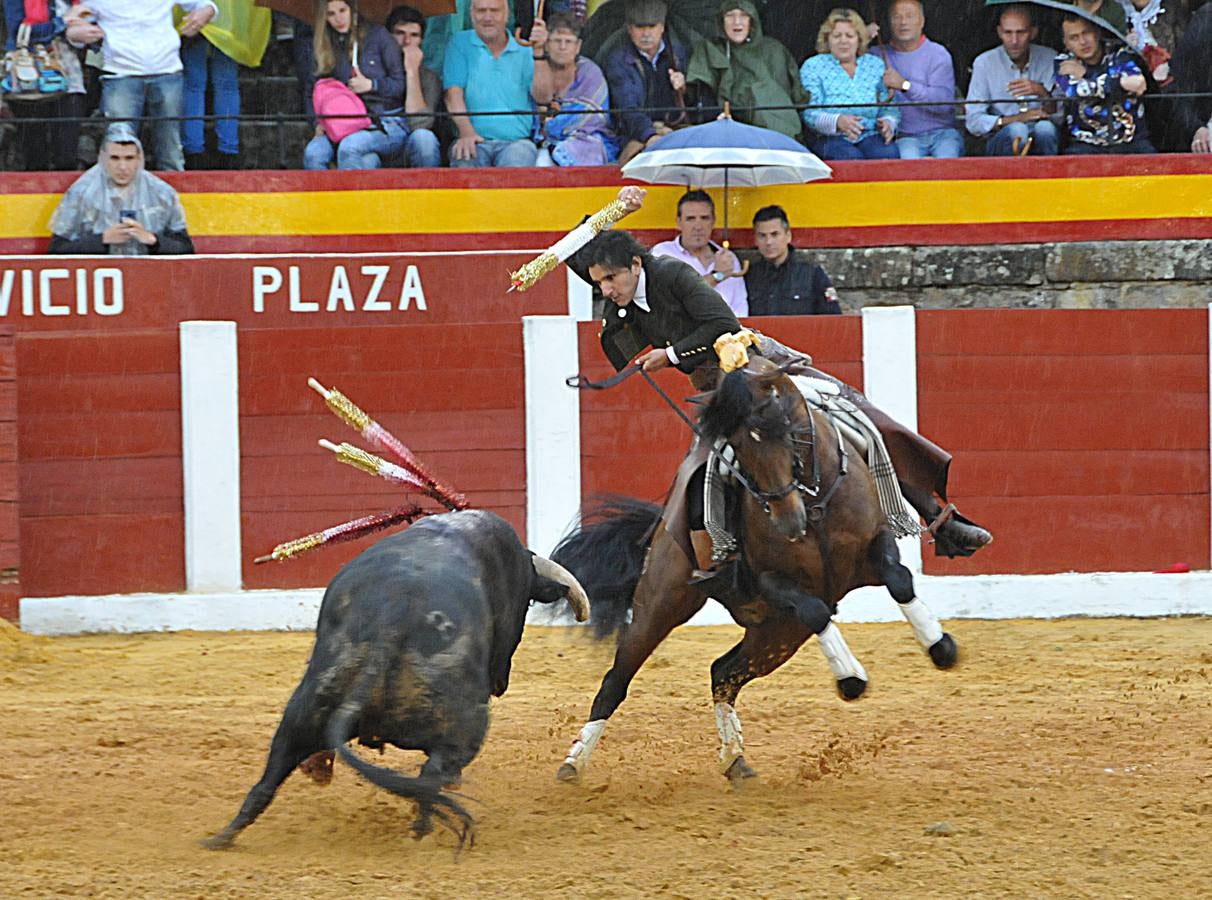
[(606, 555)]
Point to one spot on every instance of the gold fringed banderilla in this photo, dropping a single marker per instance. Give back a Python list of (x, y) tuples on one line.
[(546, 262)]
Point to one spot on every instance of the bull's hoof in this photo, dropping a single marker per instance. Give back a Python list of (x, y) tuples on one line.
[(944, 652), (422, 826), (568, 774), (851, 688), (452, 781), (318, 767), (739, 771), (220, 841)]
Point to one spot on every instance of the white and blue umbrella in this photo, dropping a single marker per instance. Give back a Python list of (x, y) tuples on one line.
[(726, 153)]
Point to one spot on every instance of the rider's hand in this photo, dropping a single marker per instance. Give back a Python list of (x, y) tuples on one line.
[(653, 360), (632, 198)]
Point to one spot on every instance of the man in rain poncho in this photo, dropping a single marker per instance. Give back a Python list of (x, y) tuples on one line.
[(119, 208)]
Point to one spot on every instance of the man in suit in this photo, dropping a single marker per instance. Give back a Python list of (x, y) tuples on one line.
[(661, 303)]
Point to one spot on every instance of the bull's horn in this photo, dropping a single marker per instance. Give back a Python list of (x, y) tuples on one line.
[(576, 594)]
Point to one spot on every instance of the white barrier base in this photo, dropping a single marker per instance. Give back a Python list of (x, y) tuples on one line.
[(949, 597)]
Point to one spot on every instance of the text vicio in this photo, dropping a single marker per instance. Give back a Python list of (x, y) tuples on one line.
[(373, 289), (62, 292)]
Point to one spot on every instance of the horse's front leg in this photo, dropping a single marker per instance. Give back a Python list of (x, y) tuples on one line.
[(763, 649), (899, 581), (663, 601)]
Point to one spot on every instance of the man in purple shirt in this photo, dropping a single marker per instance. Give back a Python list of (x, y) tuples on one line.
[(921, 70)]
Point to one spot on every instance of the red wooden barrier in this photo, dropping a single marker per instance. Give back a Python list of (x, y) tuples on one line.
[(10, 550), (1080, 436)]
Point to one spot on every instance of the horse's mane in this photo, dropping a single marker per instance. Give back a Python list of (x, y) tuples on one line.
[(732, 406)]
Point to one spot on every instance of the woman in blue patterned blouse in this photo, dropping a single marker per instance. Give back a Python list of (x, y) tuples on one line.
[(843, 72)]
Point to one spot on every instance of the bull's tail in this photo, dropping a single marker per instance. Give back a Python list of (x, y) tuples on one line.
[(606, 555), (427, 792)]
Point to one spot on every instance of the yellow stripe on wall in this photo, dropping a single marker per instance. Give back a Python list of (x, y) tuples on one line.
[(819, 205)]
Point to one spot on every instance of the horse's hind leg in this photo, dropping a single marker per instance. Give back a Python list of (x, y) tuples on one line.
[(899, 581), (663, 601), (763, 649)]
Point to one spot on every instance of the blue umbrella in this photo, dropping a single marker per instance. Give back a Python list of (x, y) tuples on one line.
[(724, 153)]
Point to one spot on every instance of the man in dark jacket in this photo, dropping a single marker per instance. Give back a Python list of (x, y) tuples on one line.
[(780, 283), (645, 71), (662, 303)]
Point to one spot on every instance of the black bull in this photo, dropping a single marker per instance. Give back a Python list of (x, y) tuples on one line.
[(413, 636)]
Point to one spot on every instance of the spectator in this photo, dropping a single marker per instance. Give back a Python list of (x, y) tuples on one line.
[(422, 89), (487, 71), (142, 62), (746, 69), (363, 56), (1191, 117), (645, 72), (1110, 11), (579, 133), (780, 283), (1018, 68), (717, 265), (117, 207), (50, 147), (921, 70), (1107, 83), (238, 36), (844, 73)]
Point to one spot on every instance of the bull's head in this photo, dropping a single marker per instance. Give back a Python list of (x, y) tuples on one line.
[(553, 582)]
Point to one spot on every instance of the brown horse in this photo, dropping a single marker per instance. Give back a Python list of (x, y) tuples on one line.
[(811, 530)]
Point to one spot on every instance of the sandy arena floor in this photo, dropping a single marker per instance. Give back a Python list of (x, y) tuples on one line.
[(1062, 759)]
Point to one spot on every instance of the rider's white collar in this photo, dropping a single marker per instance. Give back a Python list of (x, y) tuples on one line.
[(641, 292)]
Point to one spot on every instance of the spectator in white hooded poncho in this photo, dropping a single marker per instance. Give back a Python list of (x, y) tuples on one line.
[(119, 208)]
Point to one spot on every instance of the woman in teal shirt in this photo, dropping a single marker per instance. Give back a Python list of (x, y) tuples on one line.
[(842, 72)]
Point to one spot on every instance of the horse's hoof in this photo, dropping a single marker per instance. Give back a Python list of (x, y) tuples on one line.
[(739, 771), (852, 688), (944, 652), (568, 774)]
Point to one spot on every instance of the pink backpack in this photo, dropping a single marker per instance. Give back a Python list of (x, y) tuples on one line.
[(332, 98)]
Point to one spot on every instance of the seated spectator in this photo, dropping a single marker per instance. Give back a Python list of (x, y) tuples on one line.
[(422, 89), (487, 71), (117, 207), (746, 69), (362, 56), (1109, 11), (843, 72), (1107, 84), (49, 146), (141, 72), (578, 133), (781, 283), (1018, 68), (1191, 117), (920, 70), (238, 36), (645, 72), (694, 246)]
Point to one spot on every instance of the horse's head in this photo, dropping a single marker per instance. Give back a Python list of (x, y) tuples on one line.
[(761, 413)]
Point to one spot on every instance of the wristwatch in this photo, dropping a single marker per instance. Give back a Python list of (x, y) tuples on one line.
[(905, 85), (718, 276), (540, 56), (999, 123)]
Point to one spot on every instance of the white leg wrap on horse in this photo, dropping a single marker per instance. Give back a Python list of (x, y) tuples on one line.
[(729, 727), (582, 747), (925, 626), (841, 661)]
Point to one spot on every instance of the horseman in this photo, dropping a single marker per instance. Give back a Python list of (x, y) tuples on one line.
[(663, 304)]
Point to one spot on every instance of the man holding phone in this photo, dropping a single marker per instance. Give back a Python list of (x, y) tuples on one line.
[(119, 208)]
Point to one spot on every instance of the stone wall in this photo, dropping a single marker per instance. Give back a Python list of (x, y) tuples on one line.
[(1102, 275)]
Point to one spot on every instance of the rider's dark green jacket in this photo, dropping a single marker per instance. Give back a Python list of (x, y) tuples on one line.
[(684, 313)]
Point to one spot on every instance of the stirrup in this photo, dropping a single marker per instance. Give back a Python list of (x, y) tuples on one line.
[(940, 520)]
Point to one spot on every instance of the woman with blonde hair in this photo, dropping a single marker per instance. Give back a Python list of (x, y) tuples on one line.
[(365, 58), (859, 121)]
